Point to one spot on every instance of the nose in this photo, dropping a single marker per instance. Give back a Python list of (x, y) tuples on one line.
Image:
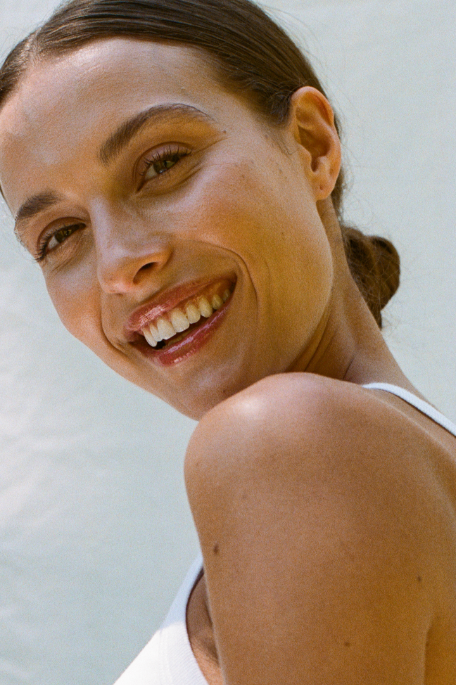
[(129, 253)]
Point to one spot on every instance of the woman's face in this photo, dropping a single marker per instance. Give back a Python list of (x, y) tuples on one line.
[(152, 197)]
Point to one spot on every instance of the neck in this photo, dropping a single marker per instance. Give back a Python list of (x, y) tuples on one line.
[(348, 344)]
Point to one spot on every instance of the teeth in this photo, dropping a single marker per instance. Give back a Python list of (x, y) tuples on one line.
[(165, 328), (149, 337), (154, 330), (179, 321), (193, 313), (217, 302), (204, 307)]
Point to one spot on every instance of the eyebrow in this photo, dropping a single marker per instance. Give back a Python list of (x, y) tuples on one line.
[(110, 149), (34, 205), (118, 140)]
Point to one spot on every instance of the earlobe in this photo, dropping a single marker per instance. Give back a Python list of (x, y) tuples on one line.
[(314, 130)]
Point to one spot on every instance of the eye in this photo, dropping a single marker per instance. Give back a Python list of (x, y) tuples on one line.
[(159, 162), (52, 241)]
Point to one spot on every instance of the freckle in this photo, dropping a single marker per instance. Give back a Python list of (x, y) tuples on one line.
[(347, 644), (215, 548), (419, 579)]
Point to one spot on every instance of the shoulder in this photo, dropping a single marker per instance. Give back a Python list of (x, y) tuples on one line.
[(286, 414), (278, 398), (313, 504), (297, 414), (321, 449)]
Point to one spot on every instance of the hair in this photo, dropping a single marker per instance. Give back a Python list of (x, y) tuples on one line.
[(251, 55)]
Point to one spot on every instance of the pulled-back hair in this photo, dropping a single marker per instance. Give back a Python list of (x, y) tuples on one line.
[(251, 55)]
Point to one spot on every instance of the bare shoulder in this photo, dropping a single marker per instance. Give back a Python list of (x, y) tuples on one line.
[(306, 401), (290, 428), (297, 414), (311, 497)]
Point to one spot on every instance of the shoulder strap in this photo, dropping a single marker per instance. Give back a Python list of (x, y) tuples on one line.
[(421, 405)]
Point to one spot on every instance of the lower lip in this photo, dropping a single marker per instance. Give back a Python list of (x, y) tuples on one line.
[(189, 345)]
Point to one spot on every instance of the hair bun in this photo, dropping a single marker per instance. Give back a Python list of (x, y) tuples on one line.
[(375, 266)]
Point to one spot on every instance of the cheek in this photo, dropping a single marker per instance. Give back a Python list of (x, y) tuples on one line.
[(265, 212), (232, 206), (76, 300), (269, 223), (270, 219)]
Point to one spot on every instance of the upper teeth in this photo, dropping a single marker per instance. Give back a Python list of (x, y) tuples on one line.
[(179, 320)]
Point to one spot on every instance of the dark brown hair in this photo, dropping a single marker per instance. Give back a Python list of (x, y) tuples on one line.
[(251, 55)]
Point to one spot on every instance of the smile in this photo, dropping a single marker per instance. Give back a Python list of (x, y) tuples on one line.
[(172, 327), (177, 325)]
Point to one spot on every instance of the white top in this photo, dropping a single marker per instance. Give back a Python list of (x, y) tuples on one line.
[(168, 658)]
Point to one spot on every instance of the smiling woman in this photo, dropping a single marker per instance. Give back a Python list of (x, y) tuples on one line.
[(190, 233)]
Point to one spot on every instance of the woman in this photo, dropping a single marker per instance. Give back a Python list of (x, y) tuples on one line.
[(180, 186)]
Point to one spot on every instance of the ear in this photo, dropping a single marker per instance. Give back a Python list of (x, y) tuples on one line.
[(312, 124)]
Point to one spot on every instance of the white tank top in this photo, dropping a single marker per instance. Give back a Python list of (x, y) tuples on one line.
[(168, 658)]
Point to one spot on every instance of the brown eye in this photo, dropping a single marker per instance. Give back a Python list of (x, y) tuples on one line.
[(53, 241), (161, 162), (159, 167)]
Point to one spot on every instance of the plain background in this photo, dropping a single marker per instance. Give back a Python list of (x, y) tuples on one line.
[(95, 533)]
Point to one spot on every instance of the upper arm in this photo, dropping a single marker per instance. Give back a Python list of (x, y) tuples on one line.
[(316, 568)]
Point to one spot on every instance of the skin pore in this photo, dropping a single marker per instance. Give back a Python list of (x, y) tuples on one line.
[(139, 182)]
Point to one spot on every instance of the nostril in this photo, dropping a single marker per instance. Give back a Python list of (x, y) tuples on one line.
[(144, 271), (152, 260), (122, 268), (146, 267)]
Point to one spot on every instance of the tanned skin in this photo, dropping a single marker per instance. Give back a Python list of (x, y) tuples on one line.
[(325, 511)]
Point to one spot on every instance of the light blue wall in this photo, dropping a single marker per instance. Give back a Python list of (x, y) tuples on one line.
[(95, 533)]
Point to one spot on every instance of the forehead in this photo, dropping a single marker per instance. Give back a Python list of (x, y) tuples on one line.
[(64, 103), (104, 69)]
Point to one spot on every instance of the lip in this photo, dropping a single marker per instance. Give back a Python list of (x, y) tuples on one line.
[(189, 345), (166, 302)]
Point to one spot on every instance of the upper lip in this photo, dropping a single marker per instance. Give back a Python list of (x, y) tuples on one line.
[(166, 301)]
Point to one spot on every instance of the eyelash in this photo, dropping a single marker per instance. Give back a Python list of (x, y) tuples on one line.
[(173, 154), (42, 251)]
